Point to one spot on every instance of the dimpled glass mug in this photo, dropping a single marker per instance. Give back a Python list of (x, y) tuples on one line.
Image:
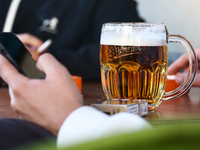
[(134, 62)]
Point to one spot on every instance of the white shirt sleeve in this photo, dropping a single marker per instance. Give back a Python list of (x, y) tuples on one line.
[(87, 123)]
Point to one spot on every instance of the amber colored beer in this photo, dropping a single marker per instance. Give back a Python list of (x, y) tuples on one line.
[(134, 72)]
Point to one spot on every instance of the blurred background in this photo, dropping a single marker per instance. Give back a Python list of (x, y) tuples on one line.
[(181, 17)]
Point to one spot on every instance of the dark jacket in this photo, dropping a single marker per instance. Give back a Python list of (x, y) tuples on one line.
[(74, 26)]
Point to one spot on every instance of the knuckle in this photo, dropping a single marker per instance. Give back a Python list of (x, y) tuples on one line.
[(14, 105), (15, 88)]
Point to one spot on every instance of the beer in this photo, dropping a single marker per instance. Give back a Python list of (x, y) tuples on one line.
[(134, 61), (134, 72)]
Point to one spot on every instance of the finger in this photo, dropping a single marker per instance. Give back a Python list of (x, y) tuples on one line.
[(197, 50), (49, 65), (180, 78), (181, 63), (29, 39), (8, 72)]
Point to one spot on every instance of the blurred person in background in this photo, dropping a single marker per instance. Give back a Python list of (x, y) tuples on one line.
[(74, 26)]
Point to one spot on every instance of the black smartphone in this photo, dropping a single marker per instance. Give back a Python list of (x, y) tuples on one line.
[(15, 51)]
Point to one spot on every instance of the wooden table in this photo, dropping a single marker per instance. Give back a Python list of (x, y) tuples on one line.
[(5, 109), (184, 108)]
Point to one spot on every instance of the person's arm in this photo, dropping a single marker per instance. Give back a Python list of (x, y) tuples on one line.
[(56, 104), (182, 63), (87, 123)]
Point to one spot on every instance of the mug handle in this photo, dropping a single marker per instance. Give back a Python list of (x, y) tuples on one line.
[(192, 68)]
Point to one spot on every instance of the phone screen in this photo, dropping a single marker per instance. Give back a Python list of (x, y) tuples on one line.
[(14, 50)]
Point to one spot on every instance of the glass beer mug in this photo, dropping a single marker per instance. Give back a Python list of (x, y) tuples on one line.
[(134, 62)]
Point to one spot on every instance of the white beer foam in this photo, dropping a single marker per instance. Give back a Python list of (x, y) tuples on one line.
[(134, 36)]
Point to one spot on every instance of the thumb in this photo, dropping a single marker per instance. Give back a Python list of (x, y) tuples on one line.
[(48, 64), (180, 78)]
